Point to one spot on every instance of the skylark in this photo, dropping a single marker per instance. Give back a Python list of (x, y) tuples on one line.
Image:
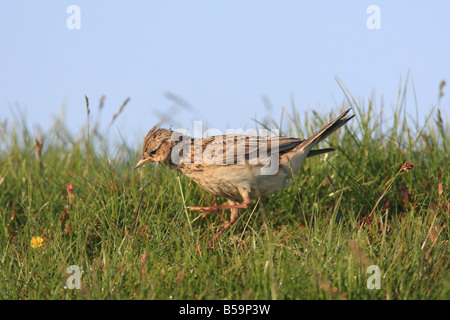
[(238, 167)]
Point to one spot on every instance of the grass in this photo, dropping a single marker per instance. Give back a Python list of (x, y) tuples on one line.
[(131, 236)]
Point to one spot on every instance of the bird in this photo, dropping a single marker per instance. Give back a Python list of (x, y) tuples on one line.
[(240, 168)]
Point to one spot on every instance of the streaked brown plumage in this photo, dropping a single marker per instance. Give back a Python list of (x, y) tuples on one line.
[(231, 166)]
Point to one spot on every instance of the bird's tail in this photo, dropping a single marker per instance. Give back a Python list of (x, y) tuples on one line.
[(297, 155)]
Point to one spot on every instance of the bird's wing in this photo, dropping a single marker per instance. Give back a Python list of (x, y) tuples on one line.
[(240, 149)]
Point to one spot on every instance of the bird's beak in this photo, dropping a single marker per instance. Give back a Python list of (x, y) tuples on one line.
[(142, 162)]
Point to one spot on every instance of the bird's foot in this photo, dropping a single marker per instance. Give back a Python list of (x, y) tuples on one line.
[(228, 223), (222, 207)]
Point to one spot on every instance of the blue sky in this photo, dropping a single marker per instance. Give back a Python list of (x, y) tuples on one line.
[(220, 56)]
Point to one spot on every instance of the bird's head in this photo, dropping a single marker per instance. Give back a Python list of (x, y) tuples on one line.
[(157, 146)]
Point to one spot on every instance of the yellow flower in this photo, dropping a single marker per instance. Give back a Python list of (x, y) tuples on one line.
[(36, 242)]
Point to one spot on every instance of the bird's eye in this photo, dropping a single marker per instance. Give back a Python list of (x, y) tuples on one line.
[(152, 153)]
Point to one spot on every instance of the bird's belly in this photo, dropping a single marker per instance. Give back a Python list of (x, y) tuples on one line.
[(229, 183)]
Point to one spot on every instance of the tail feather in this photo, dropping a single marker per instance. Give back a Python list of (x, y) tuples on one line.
[(297, 155), (313, 153), (326, 131)]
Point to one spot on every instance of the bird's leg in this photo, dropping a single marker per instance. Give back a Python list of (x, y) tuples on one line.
[(222, 207), (233, 217), (235, 212), (232, 205)]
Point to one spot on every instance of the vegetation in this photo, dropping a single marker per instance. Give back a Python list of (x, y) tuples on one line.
[(380, 200)]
